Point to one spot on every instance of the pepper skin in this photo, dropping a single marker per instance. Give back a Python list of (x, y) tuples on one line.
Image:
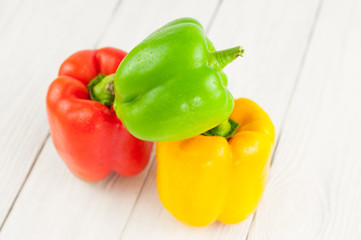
[(171, 86), (208, 178), (88, 136)]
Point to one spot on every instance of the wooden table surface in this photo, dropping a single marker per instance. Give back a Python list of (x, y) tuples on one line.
[(302, 64)]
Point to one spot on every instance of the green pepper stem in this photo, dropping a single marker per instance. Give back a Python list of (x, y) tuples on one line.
[(101, 89), (220, 59), (226, 129)]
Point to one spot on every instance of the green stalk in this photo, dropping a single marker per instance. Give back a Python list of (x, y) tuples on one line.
[(220, 59), (226, 129), (101, 89)]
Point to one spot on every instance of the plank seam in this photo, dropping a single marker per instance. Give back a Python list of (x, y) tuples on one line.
[(13, 16), (139, 193), (294, 88), (214, 15), (298, 76), (115, 10), (209, 25), (116, 7), (25, 179)]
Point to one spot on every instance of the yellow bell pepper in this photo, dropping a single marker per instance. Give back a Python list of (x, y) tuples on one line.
[(207, 178)]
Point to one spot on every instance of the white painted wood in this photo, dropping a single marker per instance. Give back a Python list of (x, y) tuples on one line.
[(135, 20), (40, 35), (8, 11), (275, 37), (56, 205), (314, 190)]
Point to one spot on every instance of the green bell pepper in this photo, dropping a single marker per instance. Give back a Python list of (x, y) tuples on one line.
[(171, 86)]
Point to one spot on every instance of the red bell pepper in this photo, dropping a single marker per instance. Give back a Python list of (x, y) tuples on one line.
[(88, 136)]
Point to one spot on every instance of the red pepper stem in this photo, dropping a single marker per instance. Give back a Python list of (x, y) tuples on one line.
[(101, 89), (220, 59)]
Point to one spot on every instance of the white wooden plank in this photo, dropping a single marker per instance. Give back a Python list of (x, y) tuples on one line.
[(56, 205), (8, 11), (33, 45), (275, 37), (315, 184), (135, 20), (54, 198)]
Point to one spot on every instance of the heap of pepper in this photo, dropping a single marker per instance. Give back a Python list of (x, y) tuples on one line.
[(212, 151)]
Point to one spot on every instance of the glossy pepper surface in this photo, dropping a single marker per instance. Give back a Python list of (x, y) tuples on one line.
[(88, 136), (208, 178), (171, 86)]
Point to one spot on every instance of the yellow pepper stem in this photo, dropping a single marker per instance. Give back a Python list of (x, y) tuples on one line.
[(226, 129)]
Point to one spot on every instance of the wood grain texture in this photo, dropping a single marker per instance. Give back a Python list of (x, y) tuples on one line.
[(274, 52), (135, 20), (56, 205), (32, 45), (314, 190), (8, 11)]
